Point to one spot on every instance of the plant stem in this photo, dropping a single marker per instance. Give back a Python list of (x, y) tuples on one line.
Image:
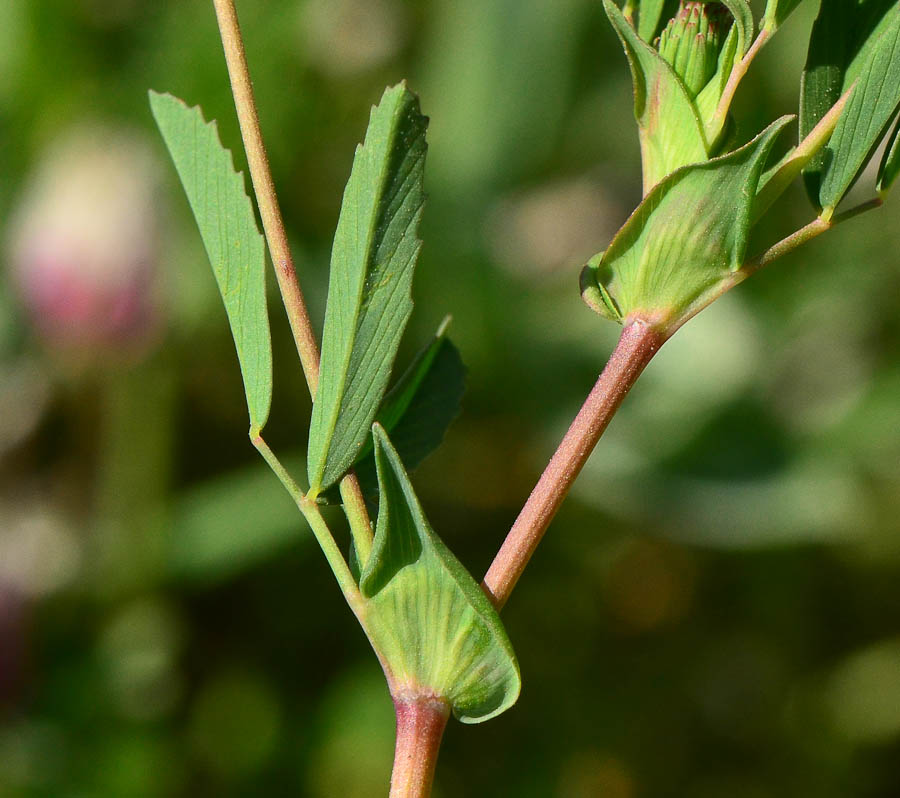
[(737, 75), (313, 516), (638, 344), (358, 516), (264, 188), (420, 727), (807, 233), (276, 235)]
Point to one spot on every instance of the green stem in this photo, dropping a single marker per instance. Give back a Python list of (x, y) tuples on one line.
[(313, 516), (420, 727), (814, 229), (358, 516), (637, 346)]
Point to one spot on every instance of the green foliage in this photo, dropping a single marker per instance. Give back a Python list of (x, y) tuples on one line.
[(890, 163), (853, 45), (777, 11), (434, 629), (669, 127), (650, 14), (228, 227), (373, 257), (418, 410), (687, 235)]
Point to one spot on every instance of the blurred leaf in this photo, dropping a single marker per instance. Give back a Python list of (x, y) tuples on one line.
[(852, 45), (670, 129), (777, 11), (420, 408), (687, 235), (227, 525), (429, 621), (890, 163), (374, 254), (235, 247)]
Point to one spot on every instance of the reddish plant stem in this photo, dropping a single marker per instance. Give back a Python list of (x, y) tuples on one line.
[(637, 346), (420, 727)]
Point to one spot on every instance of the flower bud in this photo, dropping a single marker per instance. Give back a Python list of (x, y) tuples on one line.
[(691, 40), (83, 244)]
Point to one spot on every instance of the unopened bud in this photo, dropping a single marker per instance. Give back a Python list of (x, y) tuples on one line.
[(691, 40), (83, 241)]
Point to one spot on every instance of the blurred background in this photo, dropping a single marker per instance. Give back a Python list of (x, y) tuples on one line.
[(716, 610)]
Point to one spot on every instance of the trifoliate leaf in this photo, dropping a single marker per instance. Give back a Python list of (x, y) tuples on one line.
[(669, 128), (687, 236), (374, 254), (228, 227), (433, 628)]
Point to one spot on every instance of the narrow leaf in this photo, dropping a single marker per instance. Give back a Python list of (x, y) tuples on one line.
[(374, 254), (433, 628), (688, 235), (854, 44), (419, 409), (890, 163), (868, 114), (670, 131), (651, 14), (743, 23), (233, 243)]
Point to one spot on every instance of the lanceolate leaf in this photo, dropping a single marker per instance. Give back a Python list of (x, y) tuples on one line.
[(374, 254), (670, 130), (228, 227), (688, 235), (890, 163), (854, 44), (433, 628), (419, 409)]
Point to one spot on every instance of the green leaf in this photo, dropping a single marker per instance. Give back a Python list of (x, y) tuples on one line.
[(890, 163), (670, 130), (743, 23), (233, 243), (686, 237), (372, 262), (218, 530), (650, 15), (853, 44), (433, 628), (419, 409), (777, 11)]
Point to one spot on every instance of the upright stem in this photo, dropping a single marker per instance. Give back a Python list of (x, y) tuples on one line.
[(264, 187), (420, 727), (637, 346), (276, 236)]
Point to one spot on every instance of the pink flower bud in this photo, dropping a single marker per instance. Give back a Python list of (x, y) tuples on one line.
[(83, 241)]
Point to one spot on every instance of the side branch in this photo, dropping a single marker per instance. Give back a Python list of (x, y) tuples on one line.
[(637, 346)]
